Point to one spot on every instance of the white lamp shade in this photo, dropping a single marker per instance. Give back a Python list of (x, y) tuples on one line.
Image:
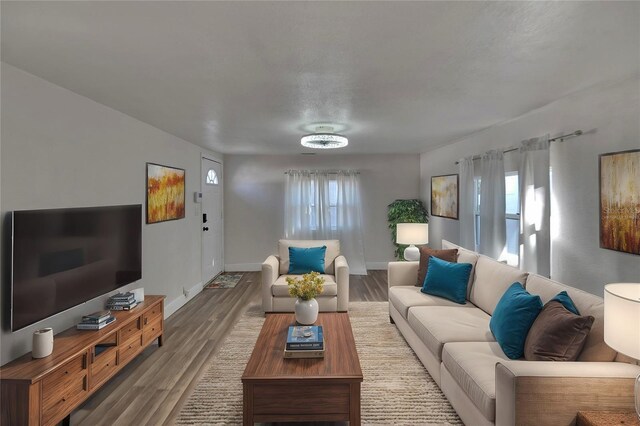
[(622, 318), (412, 233)]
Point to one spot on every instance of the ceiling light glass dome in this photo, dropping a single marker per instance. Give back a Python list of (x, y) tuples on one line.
[(324, 138)]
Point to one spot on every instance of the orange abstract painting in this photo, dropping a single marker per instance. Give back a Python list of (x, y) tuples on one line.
[(165, 193), (620, 201)]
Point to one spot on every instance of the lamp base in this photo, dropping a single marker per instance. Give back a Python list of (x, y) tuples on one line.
[(411, 253)]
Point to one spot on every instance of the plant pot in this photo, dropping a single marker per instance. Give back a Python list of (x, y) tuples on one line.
[(306, 311)]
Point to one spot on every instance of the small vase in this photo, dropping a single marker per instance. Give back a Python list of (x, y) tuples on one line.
[(306, 311)]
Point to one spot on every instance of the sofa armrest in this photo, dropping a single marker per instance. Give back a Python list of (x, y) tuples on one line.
[(402, 273), (342, 281), (551, 393), (270, 273)]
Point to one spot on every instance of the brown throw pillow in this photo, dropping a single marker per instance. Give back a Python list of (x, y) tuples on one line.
[(450, 255), (557, 334)]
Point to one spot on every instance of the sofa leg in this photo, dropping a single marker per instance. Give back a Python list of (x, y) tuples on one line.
[(391, 320)]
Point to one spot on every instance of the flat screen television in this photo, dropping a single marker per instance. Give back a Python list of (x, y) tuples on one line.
[(64, 257)]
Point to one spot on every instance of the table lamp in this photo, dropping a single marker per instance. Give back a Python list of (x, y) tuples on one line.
[(412, 233), (622, 323)]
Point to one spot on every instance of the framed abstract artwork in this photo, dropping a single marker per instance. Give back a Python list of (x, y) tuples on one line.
[(620, 201), (165, 193), (444, 196)]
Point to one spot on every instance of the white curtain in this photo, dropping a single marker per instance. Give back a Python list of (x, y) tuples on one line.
[(535, 241), (493, 228), (467, 204), (321, 205)]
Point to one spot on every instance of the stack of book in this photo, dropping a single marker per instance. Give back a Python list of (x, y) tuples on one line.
[(122, 302), (305, 341), (96, 321)]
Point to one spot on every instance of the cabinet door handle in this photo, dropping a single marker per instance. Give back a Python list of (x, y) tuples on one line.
[(84, 361), (145, 321)]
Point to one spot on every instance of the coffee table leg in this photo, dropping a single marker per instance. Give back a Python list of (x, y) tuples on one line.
[(247, 405), (354, 404)]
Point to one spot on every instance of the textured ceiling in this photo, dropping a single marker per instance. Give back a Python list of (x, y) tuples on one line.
[(252, 77)]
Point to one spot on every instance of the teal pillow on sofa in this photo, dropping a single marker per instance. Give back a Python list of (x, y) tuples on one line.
[(566, 301), (303, 260), (513, 317), (447, 279)]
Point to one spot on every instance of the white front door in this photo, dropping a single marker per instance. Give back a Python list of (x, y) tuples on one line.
[(212, 236)]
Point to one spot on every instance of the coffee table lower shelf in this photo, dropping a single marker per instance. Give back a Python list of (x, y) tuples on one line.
[(302, 400)]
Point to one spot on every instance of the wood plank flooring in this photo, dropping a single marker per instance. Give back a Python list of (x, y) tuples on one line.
[(153, 387)]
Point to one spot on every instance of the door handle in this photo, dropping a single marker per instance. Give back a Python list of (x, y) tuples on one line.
[(204, 218), (206, 228)]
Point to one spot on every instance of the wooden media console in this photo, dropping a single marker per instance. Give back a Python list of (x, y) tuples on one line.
[(45, 391)]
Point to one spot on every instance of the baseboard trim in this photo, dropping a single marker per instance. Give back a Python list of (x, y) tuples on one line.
[(177, 303), (377, 266), (242, 267)]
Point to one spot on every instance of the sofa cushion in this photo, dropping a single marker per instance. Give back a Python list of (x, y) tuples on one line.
[(557, 334), (404, 297), (588, 304), (425, 253), (281, 289), (448, 280), (303, 260), (513, 317), (333, 251), (491, 281), (437, 325), (472, 365)]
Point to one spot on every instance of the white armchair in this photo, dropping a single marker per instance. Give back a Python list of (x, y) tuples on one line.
[(275, 292)]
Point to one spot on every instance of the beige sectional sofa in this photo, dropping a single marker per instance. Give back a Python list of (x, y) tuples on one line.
[(484, 386)]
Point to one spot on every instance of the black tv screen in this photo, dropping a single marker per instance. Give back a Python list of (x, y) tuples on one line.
[(64, 257)]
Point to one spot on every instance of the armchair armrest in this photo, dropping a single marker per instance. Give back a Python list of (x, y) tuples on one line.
[(270, 273), (551, 393), (402, 273), (342, 281)]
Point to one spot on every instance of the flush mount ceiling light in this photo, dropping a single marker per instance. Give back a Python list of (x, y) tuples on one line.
[(324, 138)]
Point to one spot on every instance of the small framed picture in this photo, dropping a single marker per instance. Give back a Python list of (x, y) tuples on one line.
[(444, 196), (165, 193)]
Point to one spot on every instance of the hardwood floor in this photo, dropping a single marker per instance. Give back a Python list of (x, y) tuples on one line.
[(153, 387)]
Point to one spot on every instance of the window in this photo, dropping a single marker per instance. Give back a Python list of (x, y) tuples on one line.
[(212, 177), (333, 205), (512, 213)]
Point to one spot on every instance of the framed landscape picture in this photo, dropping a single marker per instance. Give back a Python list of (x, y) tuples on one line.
[(620, 201), (165, 193), (444, 196)]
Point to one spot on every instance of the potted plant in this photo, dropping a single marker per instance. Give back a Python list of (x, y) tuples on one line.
[(306, 289)]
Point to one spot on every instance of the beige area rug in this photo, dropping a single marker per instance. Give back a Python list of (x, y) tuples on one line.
[(397, 390)]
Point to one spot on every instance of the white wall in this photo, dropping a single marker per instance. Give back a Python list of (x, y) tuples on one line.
[(60, 149), (254, 201), (609, 114)]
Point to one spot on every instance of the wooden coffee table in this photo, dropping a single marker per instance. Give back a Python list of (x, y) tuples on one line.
[(289, 390)]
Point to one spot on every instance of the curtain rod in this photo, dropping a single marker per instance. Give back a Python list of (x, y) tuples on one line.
[(331, 172), (515, 148)]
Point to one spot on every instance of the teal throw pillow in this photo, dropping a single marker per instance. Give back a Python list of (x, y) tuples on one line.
[(566, 301), (303, 260), (447, 279), (513, 317)]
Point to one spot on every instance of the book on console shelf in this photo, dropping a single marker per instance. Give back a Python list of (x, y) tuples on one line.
[(94, 326), (126, 307), (122, 298), (305, 338), (96, 317)]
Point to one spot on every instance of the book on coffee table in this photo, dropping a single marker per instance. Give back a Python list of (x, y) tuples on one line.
[(306, 353), (306, 337)]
